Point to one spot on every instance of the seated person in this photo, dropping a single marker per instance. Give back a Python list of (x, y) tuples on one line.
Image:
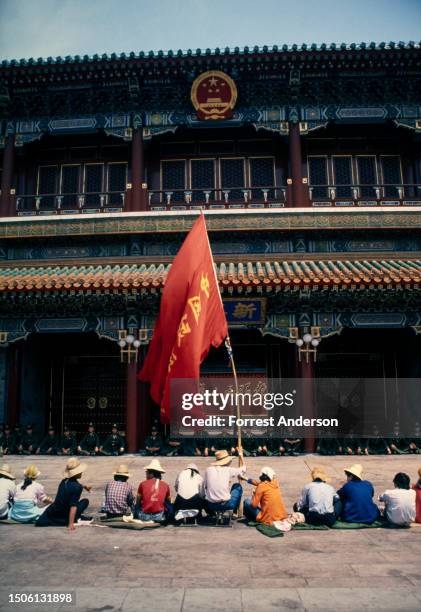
[(8, 441), (7, 490), (397, 444), (68, 445), (67, 508), (417, 488), (119, 494), (319, 502), (50, 445), (292, 445), (153, 443), (174, 447), (29, 496), (357, 498), (219, 496), (415, 441), (89, 445), (328, 446), (378, 445), (114, 444), (153, 496), (29, 442), (17, 432), (266, 506), (351, 445), (189, 489), (399, 503)]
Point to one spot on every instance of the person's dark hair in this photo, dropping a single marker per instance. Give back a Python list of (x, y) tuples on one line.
[(193, 472), (155, 474), (353, 477), (264, 478), (402, 480), (120, 478), (26, 483)]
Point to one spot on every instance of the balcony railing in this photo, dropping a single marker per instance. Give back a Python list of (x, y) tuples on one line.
[(185, 199), (47, 204), (365, 195)]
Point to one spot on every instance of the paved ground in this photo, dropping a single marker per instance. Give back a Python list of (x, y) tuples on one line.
[(216, 569)]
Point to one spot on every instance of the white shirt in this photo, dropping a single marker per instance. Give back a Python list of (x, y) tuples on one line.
[(7, 491), (318, 497), (399, 505), (217, 482), (34, 492), (187, 486)]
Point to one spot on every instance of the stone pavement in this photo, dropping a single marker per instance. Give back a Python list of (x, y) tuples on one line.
[(215, 569)]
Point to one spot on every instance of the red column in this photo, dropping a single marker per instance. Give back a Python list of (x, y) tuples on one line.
[(7, 177), (298, 190), (139, 198), (13, 387), (132, 408), (306, 371)]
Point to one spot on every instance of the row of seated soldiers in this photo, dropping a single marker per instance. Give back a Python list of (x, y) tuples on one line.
[(14, 441), (291, 445), (29, 442)]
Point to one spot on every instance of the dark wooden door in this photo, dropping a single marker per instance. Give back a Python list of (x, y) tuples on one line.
[(94, 389)]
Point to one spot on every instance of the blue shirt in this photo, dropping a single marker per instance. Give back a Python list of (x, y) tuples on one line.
[(357, 500)]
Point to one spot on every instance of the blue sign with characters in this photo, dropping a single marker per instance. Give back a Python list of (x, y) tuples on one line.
[(245, 311)]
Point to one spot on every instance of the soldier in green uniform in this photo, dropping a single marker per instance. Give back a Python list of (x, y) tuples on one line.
[(292, 445), (114, 444), (17, 432), (29, 442), (329, 446), (153, 443), (352, 445), (397, 444), (8, 441), (50, 445), (415, 441), (376, 444), (89, 445), (68, 444)]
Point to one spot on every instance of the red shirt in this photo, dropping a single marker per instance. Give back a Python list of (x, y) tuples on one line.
[(153, 494), (417, 489)]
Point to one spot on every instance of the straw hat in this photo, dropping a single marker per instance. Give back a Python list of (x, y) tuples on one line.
[(5, 471), (268, 471), (155, 466), (32, 472), (319, 473), (355, 470), (122, 470), (222, 458), (74, 467)]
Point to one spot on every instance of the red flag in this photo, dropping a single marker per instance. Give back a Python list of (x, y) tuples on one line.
[(191, 319)]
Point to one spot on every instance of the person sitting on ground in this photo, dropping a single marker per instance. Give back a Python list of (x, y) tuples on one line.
[(119, 494), (319, 502), (89, 445), (328, 446), (68, 444), (352, 445), (292, 445), (17, 432), (29, 442), (415, 441), (219, 496), (50, 445), (153, 496), (8, 441), (154, 443), (398, 444), (357, 498), (7, 490), (29, 496), (399, 503), (266, 506), (189, 489), (67, 509), (417, 488), (378, 445), (114, 444)]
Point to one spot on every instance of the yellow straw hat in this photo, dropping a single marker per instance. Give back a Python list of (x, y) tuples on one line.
[(319, 473), (32, 472), (222, 457), (6, 470), (355, 470), (74, 467)]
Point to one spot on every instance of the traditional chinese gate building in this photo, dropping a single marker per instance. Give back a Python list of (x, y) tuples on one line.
[(308, 163)]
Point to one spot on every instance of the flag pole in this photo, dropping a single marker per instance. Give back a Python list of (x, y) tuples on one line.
[(228, 347)]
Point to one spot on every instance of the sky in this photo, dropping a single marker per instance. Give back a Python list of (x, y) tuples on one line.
[(42, 28)]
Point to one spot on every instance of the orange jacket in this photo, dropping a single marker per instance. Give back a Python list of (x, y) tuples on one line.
[(267, 496)]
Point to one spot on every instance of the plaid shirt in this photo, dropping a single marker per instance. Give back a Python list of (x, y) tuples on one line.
[(119, 497)]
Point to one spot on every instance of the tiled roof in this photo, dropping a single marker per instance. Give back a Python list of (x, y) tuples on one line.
[(269, 274), (256, 50)]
